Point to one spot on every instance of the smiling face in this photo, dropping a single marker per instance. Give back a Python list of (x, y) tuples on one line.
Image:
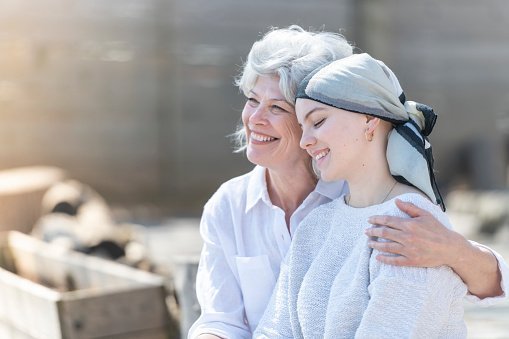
[(272, 130), (334, 138)]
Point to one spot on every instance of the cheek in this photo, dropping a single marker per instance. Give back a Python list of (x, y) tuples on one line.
[(293, 130), (246, 113)]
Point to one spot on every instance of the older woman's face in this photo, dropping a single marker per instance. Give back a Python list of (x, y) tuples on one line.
[(272, 131)]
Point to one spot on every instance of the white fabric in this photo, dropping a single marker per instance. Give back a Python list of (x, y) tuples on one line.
[(413, 166), (504, 284), (331, 285), (245, 240)]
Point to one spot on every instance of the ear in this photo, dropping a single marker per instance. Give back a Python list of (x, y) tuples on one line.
[(372, 123)]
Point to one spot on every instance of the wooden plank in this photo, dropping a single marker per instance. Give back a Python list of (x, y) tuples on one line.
[(69, 270), (90, 297), (29, 307), (85, 315)]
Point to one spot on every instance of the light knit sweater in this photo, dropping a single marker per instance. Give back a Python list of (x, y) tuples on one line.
[(331, 285)]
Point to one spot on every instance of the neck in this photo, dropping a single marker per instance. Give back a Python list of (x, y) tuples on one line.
[(288, 188), (372, 185)]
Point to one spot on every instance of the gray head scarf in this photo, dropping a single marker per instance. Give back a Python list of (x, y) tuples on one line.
[(359, 83)]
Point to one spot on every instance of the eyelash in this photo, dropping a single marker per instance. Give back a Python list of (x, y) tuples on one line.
[(279, 108), (319, 123), (253, 101)]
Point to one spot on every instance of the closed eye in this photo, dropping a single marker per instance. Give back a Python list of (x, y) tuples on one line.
[(319, 123)]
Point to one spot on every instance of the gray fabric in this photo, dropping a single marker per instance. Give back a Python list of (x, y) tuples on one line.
[(332, 286), (359, 83)]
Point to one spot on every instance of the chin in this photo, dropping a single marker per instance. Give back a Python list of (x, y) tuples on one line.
[(328, 176), (256, 159)]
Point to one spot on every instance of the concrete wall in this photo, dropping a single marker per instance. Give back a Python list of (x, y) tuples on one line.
[(79, 89), (453, 56)]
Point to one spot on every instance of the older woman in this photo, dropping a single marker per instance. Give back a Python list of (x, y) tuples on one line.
[(331, 285), (248, 224)]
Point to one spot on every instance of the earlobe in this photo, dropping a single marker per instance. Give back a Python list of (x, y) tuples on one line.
[(368, 135), (371, 125)]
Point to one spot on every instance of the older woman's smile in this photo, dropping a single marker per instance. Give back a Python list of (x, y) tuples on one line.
[(261, 138)]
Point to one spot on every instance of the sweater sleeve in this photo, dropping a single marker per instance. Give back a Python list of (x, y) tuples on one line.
[(275, 323), (217, 289), (413, 302)]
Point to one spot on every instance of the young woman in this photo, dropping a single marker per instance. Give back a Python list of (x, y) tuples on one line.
[(358, 126)]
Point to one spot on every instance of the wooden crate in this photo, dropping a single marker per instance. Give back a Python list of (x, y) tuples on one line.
[(48, 293)]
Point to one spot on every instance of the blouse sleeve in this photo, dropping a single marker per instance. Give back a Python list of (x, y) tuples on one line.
[(217, 289), (504, 283)]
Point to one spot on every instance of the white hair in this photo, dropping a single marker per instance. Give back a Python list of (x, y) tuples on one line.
[(289, 54)]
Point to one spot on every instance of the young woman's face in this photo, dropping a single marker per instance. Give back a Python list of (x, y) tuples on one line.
[(272, 131), (333, 137)]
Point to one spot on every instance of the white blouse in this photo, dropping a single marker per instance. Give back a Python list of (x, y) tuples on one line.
[(245, 240)]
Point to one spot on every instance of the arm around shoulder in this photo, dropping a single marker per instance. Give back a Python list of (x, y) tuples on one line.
[(423, 240), (491, 273)]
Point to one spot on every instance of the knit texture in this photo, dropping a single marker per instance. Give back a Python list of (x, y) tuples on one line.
[(331, 285)]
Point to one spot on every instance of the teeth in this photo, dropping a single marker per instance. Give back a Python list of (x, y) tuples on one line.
[(259, 137), (321, 155)]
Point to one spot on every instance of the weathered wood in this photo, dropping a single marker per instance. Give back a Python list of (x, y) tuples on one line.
[(46, 293), (185, 285), (22, 189)]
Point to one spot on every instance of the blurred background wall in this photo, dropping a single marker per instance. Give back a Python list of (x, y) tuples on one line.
[(136, 97)]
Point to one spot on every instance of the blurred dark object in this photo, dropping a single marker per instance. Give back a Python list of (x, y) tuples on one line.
[(76, 217)]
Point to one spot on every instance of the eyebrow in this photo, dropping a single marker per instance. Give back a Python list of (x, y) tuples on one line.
[(275, 99), (313, 111)]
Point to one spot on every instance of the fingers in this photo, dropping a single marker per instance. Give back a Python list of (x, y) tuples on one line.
[(386, 247), (401, 223), (389, 221), (410, 209), (385, 232), (395, 261)]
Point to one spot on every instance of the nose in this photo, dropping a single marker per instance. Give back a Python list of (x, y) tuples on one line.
[(307, 140), (259, 116)]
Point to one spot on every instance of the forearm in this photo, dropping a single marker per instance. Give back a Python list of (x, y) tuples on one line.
[(477, 267)]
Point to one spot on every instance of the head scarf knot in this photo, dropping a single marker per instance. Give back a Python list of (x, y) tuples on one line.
[(359, 83)]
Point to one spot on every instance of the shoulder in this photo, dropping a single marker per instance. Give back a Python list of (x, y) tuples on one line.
[(230, 191), (328, 209), (419, 200), (224, 207), (320, 218)]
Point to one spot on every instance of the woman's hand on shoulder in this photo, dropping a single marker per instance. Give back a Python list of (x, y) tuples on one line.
[(420, 241), (423, 241)]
